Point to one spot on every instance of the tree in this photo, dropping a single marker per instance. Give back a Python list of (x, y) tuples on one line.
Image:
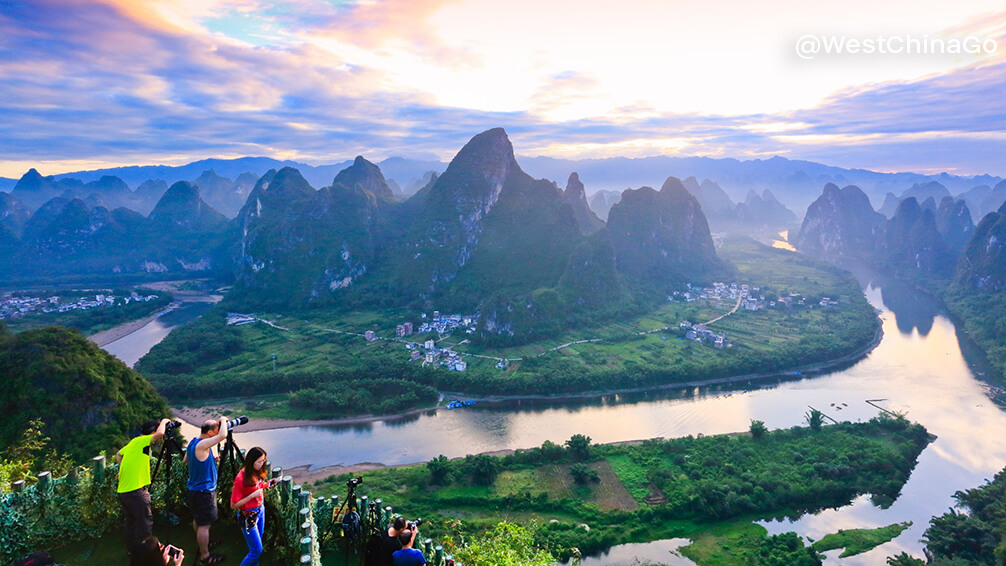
[(815, 419), (483, 469), (439, 470), (579, 446), (758, 429), (583, 475), (904, 559), (507, 544)]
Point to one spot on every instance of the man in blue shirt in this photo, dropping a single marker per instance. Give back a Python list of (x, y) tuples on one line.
[(202, 484), (408, 556)]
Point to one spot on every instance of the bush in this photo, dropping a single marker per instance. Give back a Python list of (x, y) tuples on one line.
[(584, 475)]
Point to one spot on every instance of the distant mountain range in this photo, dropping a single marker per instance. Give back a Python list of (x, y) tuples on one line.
[(794, 183), (484, 237)]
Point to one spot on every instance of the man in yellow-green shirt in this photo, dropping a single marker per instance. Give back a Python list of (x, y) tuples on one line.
[(134, 477)]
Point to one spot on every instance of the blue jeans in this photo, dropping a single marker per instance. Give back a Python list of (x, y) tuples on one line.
[(254, 539)]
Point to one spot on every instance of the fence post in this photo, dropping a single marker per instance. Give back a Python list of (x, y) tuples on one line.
[(304, 499), (285, 489), (363, 509), (428, 547), (17, 487), (73, 475), (295, 492), (438, 555), (277, 472), (98, 468), (44, 486), (335, 501), (379, 507), (305, 521), (387, 516), (305, 545)]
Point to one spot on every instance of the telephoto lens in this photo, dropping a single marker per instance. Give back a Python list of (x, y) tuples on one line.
[(172, 425), (237, 422)]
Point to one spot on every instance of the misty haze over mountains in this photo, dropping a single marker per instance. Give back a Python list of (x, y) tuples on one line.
[(794, 183)]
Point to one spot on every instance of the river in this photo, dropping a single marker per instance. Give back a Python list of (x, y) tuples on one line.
[(918, 368)]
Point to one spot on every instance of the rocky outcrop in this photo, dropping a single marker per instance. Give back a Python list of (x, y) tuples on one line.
[(983, 265), (182, 208), (953, 220), (662, 237), (840, 222), (913, 243), (576, 197)]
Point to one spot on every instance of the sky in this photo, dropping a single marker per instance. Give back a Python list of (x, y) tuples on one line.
[(890, 86)]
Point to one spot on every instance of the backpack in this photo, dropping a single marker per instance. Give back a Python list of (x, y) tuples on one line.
[(352, 526)]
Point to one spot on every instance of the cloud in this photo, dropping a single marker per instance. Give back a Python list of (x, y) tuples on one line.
[(163, 81)]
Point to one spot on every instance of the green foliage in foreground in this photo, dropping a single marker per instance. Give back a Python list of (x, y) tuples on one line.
[(858, 541), (95, 320), (977, 537), (86, 399), (507, 544), (657, 489)]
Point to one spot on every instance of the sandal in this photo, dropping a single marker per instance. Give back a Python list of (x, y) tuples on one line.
[(213, 559)]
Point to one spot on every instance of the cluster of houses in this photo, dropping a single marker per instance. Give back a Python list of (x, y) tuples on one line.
[(719, 291), (17, 306), (699, 333), (429, 353), (750, 296), (444, 324)]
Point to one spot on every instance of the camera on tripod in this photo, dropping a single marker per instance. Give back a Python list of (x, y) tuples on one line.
[(353, 482), (237, 422), (172, 425)]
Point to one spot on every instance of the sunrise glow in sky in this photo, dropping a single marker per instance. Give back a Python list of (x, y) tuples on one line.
[(122, 82)]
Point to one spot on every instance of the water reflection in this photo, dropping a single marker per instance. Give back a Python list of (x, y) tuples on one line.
[(133, 346), (918, 368), (656, 552)]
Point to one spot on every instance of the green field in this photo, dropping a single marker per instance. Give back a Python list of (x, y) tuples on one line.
[(303, 348), (707, 489)]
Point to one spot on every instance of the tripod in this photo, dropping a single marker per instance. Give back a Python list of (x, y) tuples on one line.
[(168, 449), (231, 452), (349, 505)]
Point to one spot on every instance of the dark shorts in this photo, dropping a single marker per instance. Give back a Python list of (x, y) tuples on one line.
[(203, 505)]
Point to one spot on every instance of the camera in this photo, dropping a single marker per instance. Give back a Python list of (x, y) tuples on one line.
[(413, 525), (237, 422), (172, 425), (354, 481)]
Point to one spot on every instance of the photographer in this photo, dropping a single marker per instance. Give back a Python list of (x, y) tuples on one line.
[(247, 499), (390, 543), (134, 477), (409, 556), (202, 484)]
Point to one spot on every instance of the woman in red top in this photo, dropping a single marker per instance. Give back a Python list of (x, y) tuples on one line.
[(249, 486)]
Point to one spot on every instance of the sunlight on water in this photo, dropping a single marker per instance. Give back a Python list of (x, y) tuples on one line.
[(918, 369)]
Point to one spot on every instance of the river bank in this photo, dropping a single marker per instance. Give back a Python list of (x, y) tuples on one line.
[(106, 337), (196, 415)]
